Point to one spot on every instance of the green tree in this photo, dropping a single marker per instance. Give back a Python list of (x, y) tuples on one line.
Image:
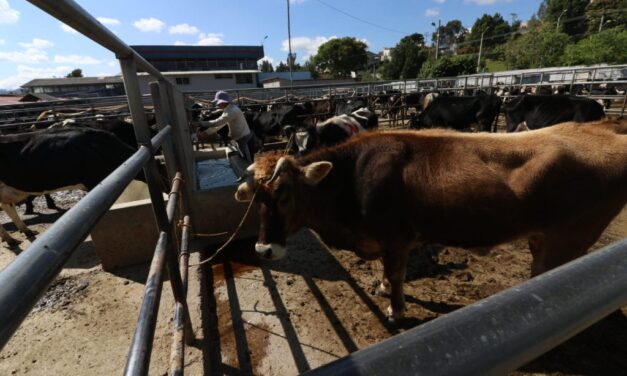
[(406, 58), (282, 67), (448, 66), (496, 32), (266, 66), (614, 13), (573, 20), (538, 47), (450, 35), (340, 56), (75, 73), (310, 66), (607, 46)]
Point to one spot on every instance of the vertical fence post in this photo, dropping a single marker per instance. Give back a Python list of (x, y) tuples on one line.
[(163, 117)]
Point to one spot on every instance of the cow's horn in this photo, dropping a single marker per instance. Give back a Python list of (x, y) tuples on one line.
[(280, 166)]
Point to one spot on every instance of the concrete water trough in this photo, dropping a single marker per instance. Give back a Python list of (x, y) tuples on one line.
[(127, 233)]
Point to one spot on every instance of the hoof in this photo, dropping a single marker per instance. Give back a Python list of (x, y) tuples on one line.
[(394, 316), (382, 290)]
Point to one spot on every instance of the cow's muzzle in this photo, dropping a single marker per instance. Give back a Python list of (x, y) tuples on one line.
[(272, 251)]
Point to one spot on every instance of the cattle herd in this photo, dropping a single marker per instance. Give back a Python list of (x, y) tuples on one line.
[(383, 193)]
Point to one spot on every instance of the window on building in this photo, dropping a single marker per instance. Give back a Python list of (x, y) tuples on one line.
[(243, 78), (224, 76), (182, 80)]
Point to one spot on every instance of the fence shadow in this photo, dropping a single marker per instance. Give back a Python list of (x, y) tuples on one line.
[(591, 352)]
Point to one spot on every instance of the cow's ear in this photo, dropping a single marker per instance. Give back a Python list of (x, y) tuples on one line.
[(315, 172)]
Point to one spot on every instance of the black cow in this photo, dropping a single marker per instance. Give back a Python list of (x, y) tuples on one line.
[(539, 111), (54, 159), (461, 112), (348, 106)]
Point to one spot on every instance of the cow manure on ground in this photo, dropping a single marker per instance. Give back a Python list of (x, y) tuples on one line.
[(61, 294)]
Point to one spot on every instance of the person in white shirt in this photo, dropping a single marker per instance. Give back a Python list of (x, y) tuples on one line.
[(233, 117)]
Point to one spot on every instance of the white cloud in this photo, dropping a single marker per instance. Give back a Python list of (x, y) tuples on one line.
[(305, 46), (75, 60), (37, 43), (486, 2), (431, 12), (113, 63), (180, 43), (183, 28), (68, 29), (7, 14), (26, 73), (2, 42), (29, 56), (210, 39), (108, 21), (440, 1), (149, 25)]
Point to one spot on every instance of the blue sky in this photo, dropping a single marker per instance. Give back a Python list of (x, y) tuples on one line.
[(35, 45)]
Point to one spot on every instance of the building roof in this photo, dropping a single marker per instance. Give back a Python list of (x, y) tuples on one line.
[(9, 99), (199, 52), (38, 97), (73, 81), (296, 76)]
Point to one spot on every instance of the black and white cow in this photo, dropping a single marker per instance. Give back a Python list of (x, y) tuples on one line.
[(539, 111), (51, 160), (334, 130)]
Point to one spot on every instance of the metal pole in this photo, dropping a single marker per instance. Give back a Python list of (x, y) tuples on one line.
[(138, 361), (289, 43), (557, 27), (501, 333), (177, 359), (601, 23), (480, 48), (437, 41)]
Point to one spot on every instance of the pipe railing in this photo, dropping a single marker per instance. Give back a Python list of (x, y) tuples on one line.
[(505, 331), (26, 279)]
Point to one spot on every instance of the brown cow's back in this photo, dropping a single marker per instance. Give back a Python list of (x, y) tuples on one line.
[(471, 189)]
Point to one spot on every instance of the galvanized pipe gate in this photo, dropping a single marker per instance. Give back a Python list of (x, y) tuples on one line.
[(26, 279), (492, 336)]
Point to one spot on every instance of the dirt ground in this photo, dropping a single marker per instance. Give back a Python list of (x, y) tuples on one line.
[(276, 318)]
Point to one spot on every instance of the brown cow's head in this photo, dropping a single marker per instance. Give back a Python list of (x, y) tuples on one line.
[(281, 194)]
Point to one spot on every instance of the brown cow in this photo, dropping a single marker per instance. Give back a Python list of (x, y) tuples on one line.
[(384, 194)]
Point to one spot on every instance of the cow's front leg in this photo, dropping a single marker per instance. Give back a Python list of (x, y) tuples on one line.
[(394, 269), (12, 213)]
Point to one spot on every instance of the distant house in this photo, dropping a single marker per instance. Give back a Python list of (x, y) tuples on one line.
[(191, 68), (203, 68), (76, 87), (386, 54), (276, 82)]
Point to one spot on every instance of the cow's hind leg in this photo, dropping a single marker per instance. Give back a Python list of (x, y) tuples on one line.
[(559, 246), (12, 213), (395, 268)]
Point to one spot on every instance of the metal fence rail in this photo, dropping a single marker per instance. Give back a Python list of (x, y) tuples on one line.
[(505, 331), (25, 280)]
